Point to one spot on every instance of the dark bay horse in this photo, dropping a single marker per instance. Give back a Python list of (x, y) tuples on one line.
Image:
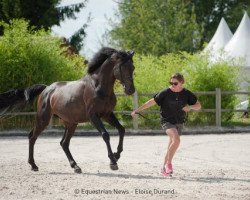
[(88, 99)]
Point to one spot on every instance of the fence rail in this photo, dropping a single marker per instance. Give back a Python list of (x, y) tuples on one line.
[(217, 110)]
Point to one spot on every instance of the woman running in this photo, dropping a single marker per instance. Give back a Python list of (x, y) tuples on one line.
[(174, 101)]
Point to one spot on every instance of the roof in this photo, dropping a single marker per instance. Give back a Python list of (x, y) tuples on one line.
[(221, 37), (239, 45)]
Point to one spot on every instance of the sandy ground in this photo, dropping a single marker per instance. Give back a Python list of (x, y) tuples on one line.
[(206, 167)]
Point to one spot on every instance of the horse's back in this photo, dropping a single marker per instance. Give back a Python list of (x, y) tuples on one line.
[(66, 100)]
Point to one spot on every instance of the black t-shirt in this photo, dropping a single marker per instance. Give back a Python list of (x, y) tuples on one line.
[(171, 104)]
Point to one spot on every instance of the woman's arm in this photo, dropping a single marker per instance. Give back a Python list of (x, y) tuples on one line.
[(146, 105), (196, 106)]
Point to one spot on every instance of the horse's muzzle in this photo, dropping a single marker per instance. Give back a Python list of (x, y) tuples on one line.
[(129, 91)]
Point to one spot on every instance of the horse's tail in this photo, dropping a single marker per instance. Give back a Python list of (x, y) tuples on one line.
[(18, 99)]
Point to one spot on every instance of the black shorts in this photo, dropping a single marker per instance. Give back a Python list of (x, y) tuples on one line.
[(167, 125)]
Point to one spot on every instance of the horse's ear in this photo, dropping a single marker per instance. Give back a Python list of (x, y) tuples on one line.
[(131, 53)]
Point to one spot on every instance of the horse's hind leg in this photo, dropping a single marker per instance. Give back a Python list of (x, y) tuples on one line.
[(35, 132), (69, 131), (31, 160), (65, 132), (42, 120)]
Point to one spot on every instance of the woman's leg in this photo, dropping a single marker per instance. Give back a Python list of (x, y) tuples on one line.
[(173, 145), (166, 156)]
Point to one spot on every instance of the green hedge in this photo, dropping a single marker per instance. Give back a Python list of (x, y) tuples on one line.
[(28, 57)]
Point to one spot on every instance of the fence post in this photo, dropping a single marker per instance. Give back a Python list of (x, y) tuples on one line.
[(135, 106), (50, 123), (218, 107)]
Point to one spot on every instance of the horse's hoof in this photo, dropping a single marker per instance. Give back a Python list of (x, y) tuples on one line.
[(78, 170), (114, 166), (116, 156), (35, 169)]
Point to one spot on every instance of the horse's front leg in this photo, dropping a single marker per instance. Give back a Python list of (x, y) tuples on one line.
[(113, 121), (105, 135)]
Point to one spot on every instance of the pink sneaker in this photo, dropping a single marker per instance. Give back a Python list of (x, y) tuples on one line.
[(163, 173), (167, 170)]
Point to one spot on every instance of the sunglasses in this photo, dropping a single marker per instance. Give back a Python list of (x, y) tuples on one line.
[(173, 83)]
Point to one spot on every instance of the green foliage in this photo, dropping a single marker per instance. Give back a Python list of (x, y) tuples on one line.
[(28, 57), (152, 75), (155, 27), (43, 14), (77, 39), (202, 76)]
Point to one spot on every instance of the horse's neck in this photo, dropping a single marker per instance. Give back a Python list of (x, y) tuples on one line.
[(106, 77)]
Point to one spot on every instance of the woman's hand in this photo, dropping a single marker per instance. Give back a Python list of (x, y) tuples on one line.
[(196, 106), (146, 105), (133, 113), (186, 108)]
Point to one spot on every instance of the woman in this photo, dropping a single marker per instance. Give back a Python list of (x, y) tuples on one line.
[(174, 101)]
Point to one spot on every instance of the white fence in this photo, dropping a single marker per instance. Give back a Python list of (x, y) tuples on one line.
[(217, 110)]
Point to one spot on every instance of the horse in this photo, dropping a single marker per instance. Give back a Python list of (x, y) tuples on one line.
[(89, 99)]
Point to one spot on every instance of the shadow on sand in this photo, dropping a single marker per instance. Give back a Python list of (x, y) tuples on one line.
[(212, 179), (175, 177)]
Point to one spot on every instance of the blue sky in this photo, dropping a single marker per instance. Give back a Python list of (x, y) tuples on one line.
[(100, 10)]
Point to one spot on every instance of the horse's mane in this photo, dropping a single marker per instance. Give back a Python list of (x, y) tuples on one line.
[(99, 58)]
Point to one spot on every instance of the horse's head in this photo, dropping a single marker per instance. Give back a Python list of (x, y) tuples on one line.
[(124, 69)]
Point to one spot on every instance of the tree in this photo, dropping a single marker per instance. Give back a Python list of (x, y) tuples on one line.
[(156, 27), (76, 40), (42, 14), (161, 26)]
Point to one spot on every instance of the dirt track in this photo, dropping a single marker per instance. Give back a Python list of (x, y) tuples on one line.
[(206, 167)]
